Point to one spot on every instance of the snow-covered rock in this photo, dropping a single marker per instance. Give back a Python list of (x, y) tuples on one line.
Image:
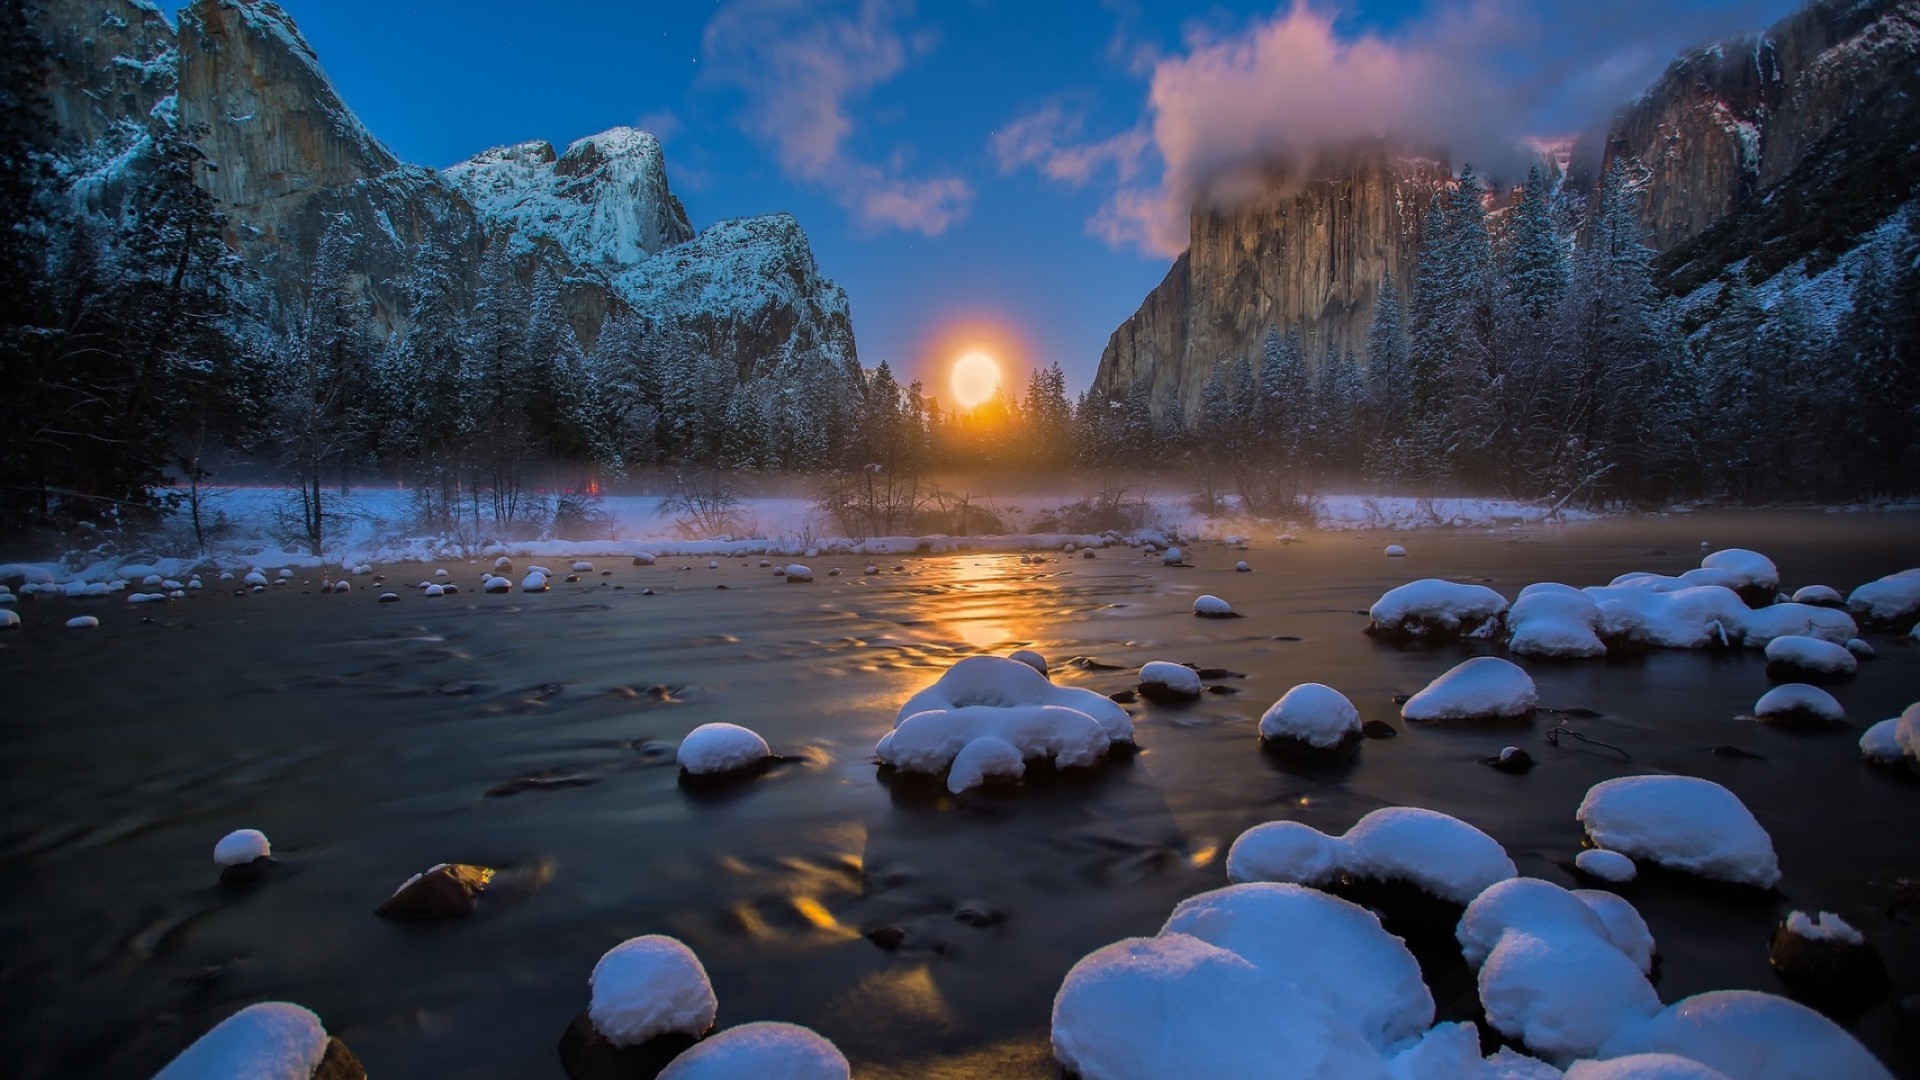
[(1483, 688), (650, 986), (766, 1050), (1247, 981), (1209, 606), (1749, 1035), (496, 584), (1005, 702), (1162, 680), (434, 590), (1889, 602), (1760, 626), (1819, 596), (1432, 608), (1681, 822), (83, 622), (1550, 972), (581, 566), (1799, 704), (273, 1040), (1625, 928), (985, 758), (1441, 855), (1030, 658), (1606, 865), (795, 572), (1241, 567), (9, 619), (1889, 741), (254, 577), (1313, 714), (1173, 556), (1644, 1067), (241, 846), (1744, 570), (535, 581), (1800, 658), (713, 749), (1554, 620), (1395, 551)]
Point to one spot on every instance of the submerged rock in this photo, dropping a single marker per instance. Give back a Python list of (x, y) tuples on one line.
[(445, 891)]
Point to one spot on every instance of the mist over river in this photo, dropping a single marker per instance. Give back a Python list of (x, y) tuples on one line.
[(363, 738)]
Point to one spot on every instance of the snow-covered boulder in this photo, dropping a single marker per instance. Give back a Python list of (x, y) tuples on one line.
[(9, 619), (1807, 659), (1173, 556), (644, 559), (1826, 961), (1748, 1035), (496, 584), (987, 758), (1320, 990), (83, 622), (442, 891), (1437, 610), (1241, 567), (1890, 741), (1762, 625), (1030, 658), (1164, 681), (1485, 688), (535, 581), (1682, 823), (650, 986), (254, 577), (1550, 971), (717, 749), (1554, 620), (241, 846), (434, 591), (798, 573), (1606, 865), (1444, 857), (1312, 715), (1644, 1067), (766, 1050), (1209, 606), (1005, 702), (1395, 551), (581, 566), (1819, 596), (1890, 602), (1745, 572), (1690, 618), (1799, 705), (273, 1040)]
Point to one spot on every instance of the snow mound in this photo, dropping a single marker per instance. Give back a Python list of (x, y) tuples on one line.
[(1554, 620), (535, 581), (272, 1040), (1681, 822), (241, 846), (1550, 972), (1030, 658), (1212, 607), (987, 757), (1312, 713), (581, 566), (1625, 928), (1749, 1035), (1689, 618), (1794, 653), (1644, 1067), (1170, 679), (1483, 688), (1760, 627), (711, 749), (798, 573), (997, 681), (9, 619), (650, 986), (766, 1050), (1889, 601), (1606, 865), (1442, 855), (931, 742), (1890, 740), (1825, 926), (1395, 551), (1798, 703), (1173, 556), (1178, 1005), (1744, 569), (1819, 596), (83, 622), (1434, 608)]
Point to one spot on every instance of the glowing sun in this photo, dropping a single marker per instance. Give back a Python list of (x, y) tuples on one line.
[(975, 378)]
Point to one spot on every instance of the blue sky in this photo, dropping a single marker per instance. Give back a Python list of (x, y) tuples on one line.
[(1016, 165)]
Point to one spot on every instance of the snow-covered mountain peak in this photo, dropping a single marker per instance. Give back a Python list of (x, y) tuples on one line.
[(605, 201)]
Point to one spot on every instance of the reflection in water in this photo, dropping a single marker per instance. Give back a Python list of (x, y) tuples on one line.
[(333, 724)]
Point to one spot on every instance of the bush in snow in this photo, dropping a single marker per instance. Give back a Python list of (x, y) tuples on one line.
[(1682, 823), (1799, 705), (1554, 973), (994, 698), (1437, 610), (1891, 741), (1553, 620), (273, 1040), (1485, 688), (1805, 659), (1167, 682), (1314, 716), (761, 1051), (719, 749), (1888, 603)]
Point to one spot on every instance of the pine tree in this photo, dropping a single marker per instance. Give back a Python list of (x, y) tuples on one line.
[(1533, 258)]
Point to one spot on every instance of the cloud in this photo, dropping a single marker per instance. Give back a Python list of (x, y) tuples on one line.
[(800, 69), (1236, 106)]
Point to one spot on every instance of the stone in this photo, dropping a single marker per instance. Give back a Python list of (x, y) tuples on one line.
[(447, 891)]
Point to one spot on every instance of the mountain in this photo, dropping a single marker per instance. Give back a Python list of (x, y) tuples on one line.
[(289, 162), (1785, 148), (1309, 256)]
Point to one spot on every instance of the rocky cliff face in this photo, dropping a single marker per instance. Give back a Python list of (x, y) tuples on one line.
[(1727, 122), (1309, 258), (605, 201), (289, 159)]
